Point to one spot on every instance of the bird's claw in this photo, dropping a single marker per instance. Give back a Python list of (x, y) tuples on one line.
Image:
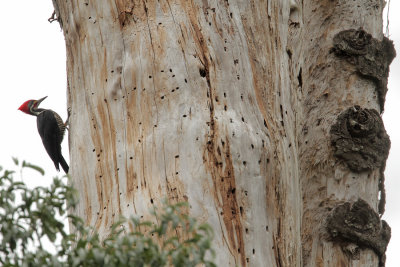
[(69, 109)]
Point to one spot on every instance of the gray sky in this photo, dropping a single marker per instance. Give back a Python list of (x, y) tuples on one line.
[(32, 65)]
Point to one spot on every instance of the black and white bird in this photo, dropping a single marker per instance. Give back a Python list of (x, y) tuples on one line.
[(51, 129)]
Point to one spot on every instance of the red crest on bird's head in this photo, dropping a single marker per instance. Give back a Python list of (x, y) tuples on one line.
[(25, 107), (30, 105)]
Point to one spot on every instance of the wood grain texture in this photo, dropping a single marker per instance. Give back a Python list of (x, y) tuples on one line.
[(224, 104)]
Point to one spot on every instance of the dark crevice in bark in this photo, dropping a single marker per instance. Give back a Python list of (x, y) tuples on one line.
[(356, 223), (360, 140), (277, 252), (300, 78), (370, 57), (202, 72), (382, 192)]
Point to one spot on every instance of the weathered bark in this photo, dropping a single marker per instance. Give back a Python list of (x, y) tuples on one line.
[(336, 80), (227, 105)]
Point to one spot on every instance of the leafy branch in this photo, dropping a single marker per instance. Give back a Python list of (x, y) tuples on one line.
[(33, 220)]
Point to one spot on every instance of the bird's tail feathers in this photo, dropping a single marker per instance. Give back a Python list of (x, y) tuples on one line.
[(64, 164)]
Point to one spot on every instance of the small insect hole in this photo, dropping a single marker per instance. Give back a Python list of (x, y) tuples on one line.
[(202, 72)]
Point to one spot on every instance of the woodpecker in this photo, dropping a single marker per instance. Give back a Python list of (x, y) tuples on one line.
[(51, 129)]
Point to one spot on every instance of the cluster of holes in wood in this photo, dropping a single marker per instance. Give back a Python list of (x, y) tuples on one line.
[(202, 73)]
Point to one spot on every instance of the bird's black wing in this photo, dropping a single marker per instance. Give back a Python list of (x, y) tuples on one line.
[(50, 134)]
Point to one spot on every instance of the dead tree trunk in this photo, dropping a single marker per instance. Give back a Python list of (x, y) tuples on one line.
[(263, 115)]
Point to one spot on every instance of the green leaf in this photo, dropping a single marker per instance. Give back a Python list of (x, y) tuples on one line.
[(16, 162), (34, 167)]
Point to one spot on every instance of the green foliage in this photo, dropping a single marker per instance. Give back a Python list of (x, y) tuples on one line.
[(31, 220)]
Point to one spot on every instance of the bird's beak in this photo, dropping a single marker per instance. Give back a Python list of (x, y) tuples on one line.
[(40, 101)]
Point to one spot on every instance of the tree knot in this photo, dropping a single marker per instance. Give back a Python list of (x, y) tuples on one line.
[(358, 224), (351, 42), (359, 139), (371, 57)]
